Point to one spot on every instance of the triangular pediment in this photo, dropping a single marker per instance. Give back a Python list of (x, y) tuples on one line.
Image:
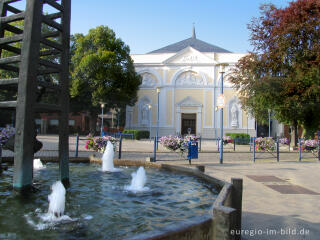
[(189, 56), (189, 102)]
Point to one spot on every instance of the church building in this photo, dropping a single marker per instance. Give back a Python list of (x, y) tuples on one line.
[(180, 88)]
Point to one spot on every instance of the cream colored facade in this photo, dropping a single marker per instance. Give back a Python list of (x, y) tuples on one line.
[(189, 81)]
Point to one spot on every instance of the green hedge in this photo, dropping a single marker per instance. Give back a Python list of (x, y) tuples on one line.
[(137, 134), (240, 136)]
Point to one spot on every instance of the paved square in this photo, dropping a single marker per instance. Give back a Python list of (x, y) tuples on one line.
[(265, 178), (291, 189)]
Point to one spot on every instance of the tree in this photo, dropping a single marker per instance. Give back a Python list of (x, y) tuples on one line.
[(102, 71), (283, 71)]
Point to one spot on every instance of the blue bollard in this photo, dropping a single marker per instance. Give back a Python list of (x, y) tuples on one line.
[(155, 150), (299, 150), (221, 150), (277, 149), (254, 149), (157, 142), (77, 145), (120, 146)]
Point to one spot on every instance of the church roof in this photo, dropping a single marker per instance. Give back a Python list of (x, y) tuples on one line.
[(193, 42)]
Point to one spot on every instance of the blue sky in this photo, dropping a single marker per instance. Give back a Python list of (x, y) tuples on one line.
[(147, 25)]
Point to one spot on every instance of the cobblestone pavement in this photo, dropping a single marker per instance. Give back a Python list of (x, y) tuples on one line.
[(267, 213)]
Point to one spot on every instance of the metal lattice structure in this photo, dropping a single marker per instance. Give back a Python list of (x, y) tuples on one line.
[(34, 49)]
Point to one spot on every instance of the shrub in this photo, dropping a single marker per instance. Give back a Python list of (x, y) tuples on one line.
[(137, 134), (242, 138)]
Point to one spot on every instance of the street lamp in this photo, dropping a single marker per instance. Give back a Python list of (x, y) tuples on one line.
[(269, 115), (102, 107), (158, 114), (150, 120), (221, 115)]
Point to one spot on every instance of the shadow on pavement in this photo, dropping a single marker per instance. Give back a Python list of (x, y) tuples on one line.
[(265, 226)]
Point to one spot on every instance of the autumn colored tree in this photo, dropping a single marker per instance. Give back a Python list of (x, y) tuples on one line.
[(102, 71), (283, 71)]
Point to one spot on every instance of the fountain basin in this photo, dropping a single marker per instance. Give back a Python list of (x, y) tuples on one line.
[(211, 216)]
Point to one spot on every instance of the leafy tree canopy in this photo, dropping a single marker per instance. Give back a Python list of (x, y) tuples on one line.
[(283, 71), (102, 71)]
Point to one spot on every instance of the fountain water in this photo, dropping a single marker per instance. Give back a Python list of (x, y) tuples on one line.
[(42, 221), (57, 200), (99, 205), (107, 159), (37, 164), (138, 181)]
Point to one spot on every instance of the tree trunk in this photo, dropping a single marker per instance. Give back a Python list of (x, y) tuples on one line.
[(93, 124)]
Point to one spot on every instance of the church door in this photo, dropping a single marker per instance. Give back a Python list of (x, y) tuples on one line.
[(188, 122)]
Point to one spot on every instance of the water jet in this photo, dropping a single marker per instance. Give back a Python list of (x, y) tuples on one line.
[(107, 159)]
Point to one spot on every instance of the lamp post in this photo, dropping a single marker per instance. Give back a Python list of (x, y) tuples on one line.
[(269, 115), (150, 120), (221, 116), (158, 114), (102, 107)]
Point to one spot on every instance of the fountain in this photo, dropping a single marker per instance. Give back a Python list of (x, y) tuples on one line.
[(100, 206), (138, 181), (57, 200), (107, 159), (40, 220), (37, 164)]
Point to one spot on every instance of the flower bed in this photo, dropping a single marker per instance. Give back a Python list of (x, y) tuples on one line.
[(266, 144), (99, 144), (6, 133), (309, 145), (227, 139), (177, 144), (284, 141), (191, 138), (173, 143)]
